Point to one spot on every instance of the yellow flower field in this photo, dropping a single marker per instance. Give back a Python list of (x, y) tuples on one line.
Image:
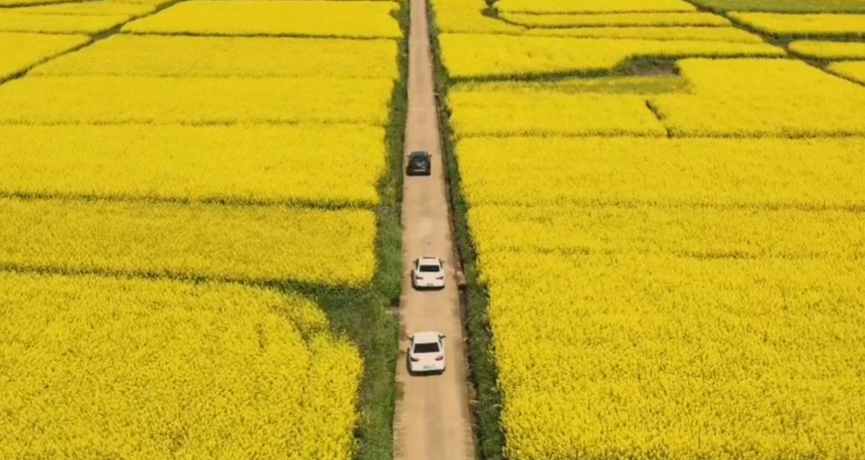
[(467, 16), (828, 50), (195, 100), (350, 19), (592, 6), (632, 356), (160, 56), (852, 70), (22, 50), (808, 173), (813, 103), (234, 243), (617, 20), (107, 367), (93, 8), (720, 34), (804, 25), (323, 165), (500, 56), (11, 21), (687, 231), (490, 113)]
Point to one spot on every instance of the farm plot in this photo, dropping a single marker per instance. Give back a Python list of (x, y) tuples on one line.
[(161, 56), (592, 6), (182, 207), (478, 56), (155, 369), (671, 261), (355, 19), (11, 21), (813, 102), (804, 25), (828, 50), (852, 70), (24, 50)]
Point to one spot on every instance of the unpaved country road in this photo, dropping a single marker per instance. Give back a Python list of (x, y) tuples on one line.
[(432, 419)]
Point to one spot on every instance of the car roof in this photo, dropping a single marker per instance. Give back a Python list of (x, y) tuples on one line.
[(428, 259), (426, 337), (419, 154)]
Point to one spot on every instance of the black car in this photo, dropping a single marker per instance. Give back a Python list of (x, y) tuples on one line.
[(418, 164)]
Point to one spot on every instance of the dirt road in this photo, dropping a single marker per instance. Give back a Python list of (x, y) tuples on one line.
[(432, 420)]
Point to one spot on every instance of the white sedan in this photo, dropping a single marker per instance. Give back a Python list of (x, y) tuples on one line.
[(428, 272), (426, 353)]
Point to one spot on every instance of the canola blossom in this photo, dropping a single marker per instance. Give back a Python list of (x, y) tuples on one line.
[(828, 50), (500, 56), (108, 367), (737, 98), (617, 20), (804, 25), (161, 56), (233, 243), (721, 34), (613, 85), (490, 113), (98, 8), (194, 100), (23, 50), (12, 21), (852, 70), (592, 6), (656, 356), (467, 16), (805, 173), (686, 231), (350, 19), (322, 165)]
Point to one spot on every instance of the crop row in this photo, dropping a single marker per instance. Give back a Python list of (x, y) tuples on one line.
[(717, 104), (481, 56), (22, 51), (99, 367)]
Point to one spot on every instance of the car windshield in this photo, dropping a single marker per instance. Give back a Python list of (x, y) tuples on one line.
[(420, 161), (426, 348), (429, 268)]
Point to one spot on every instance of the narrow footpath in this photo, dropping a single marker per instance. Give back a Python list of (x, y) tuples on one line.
[(432, 419)]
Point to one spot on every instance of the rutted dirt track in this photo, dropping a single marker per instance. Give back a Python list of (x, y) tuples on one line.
[(432, 419)]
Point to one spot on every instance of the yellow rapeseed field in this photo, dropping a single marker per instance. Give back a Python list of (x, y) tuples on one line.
[(20, 51), (467, 16), (11, 3), (828, 50), (12, 21), (100, 367), (722, 34), (160, 56), (656, 356), (349, 19), (806, 173), (479, 112), (687, 231), (91, 8), (592, 6), (617, 20), (236, 243), (488, 56), (94, 100), (778, 98), (852, 70), (804, 25), (611, 85), (324, 165)]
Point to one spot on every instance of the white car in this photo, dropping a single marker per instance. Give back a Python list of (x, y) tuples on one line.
[(426, 353), (428, 272)]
